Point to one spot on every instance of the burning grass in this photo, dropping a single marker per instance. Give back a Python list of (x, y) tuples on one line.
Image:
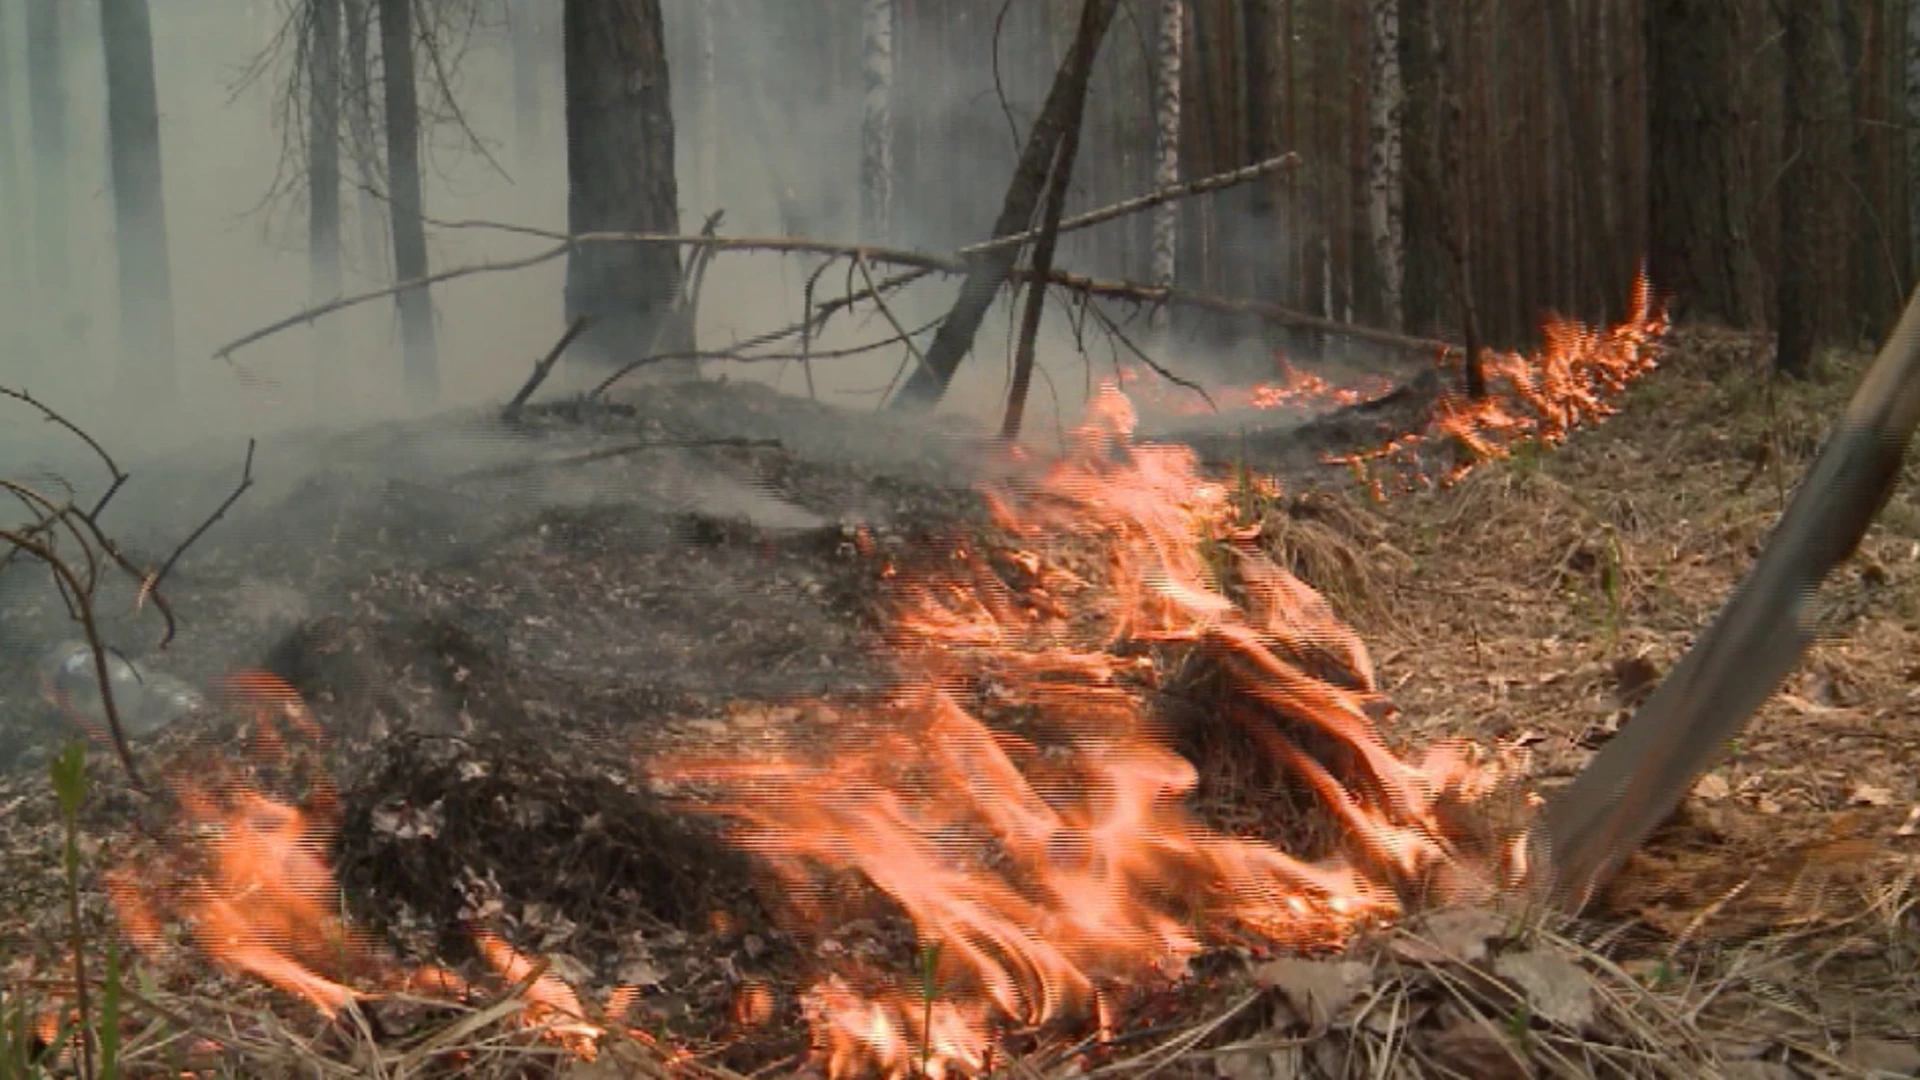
[(1002, 862)]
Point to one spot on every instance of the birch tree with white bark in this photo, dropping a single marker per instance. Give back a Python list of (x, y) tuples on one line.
[(1386, 193), (1166, 148), (876, 131)]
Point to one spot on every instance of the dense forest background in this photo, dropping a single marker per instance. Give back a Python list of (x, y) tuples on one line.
[(1463, 170)]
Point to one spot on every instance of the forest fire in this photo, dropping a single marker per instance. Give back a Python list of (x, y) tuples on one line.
[(1048, 871), (1019, 807)]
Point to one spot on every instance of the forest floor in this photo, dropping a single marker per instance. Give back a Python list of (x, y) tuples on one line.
[(491, 644)]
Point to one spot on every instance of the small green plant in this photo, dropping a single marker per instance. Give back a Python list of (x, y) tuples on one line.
[(930, 990)]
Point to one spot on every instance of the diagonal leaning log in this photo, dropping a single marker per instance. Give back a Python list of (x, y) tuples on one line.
[(1638, 778)]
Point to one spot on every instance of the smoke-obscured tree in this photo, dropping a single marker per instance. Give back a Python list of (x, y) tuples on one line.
[(525, 29), (362, 126), (1265, 97), (1169, 46), (420, 365), (139, 202), (1700, 248), (707, 133), (620, 178), (876, 127), (47, 109), (1814, 205), (954, 339), (13, 215), (323, 177), (1386, 196)]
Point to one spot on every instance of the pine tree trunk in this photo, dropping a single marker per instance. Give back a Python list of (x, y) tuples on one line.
[(876, 131), (1386, 183), (620, 178), (951, 343), (1815, 211), (1911, 88), (323, 182), (1166, 149), (47, 106), (708, 141), (13, 212), (420, 364), (1698, 199), (1424, 294), (357, 100), (524, 29), (139, 203)]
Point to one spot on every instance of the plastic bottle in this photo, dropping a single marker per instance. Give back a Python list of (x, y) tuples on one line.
[(146, 700)]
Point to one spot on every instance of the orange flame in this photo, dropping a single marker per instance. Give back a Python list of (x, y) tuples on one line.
[(1539, 397), (1045, 873)]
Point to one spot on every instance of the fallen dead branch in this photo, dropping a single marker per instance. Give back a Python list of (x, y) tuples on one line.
[(542, 369)]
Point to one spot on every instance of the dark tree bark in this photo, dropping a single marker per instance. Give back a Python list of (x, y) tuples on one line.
[(47, 108), (1055, 201), (420, 365), (1425, 293), (620, 178), (1815, 205), (1700, 248), (139, 202), (1583, 148), (954, 339), (323, 176)]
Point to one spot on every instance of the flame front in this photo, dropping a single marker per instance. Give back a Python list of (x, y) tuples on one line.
[(1048, 872)]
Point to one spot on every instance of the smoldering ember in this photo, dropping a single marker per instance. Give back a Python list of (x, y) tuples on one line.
[(737, 538)]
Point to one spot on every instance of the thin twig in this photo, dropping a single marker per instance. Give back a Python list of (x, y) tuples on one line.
[(54, 416), (541, 369), (1140, 354), (152, 584)]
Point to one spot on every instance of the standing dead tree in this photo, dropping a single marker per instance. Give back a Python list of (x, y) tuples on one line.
[(323, 175), (989, 271), (421, 364)]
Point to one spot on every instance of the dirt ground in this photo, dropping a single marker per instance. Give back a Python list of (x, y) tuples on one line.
[(492, 629)]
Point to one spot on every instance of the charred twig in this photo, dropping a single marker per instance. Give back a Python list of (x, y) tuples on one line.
[(517, 468), (151, 585), (1113, 328), (53, 416), (913, 351), (541, 369)]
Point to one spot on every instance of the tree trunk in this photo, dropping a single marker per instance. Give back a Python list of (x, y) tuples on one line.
[(708, 142), (620, 178), (47, 104), (1815, 207), (420, 364), (1055, 202), (876, 131), (1911, 88), (1265, 96), (1582, 140), (357, 100), (323, 184), (13, 214), (1386, 182), (1424, 293), (524, 27), (1699, 248), (139, 203), (1166, 149), (924, 388)]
